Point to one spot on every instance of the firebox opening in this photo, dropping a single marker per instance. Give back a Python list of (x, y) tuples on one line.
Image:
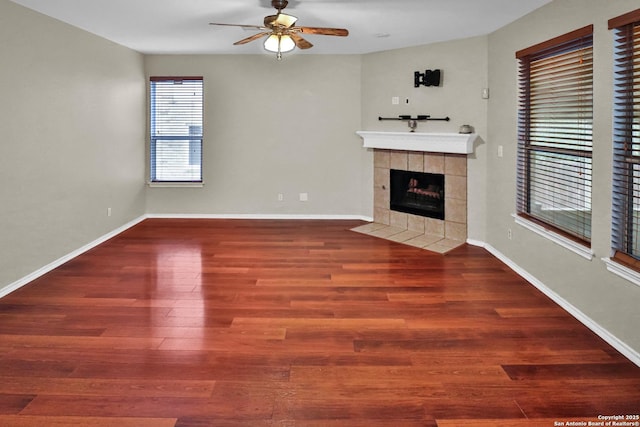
[(417, 193)]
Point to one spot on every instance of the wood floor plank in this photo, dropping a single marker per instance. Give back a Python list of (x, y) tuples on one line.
[(14, 403), (363, 375), (283, 323), (107, 387), (208, 334), (572, 371), (64, 421), (243, 408), (83, 342), (396, 412)]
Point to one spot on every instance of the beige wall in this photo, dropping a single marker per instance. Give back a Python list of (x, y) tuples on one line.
[(464, 74), (273, 127), (71, 143), (587, 285)]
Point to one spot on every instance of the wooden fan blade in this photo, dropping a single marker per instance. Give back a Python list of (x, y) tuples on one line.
[(324, 31), (252, 38), (258, 27), (300, 42)]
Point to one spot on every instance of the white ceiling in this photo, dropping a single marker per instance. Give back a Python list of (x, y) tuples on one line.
[(181, 26)]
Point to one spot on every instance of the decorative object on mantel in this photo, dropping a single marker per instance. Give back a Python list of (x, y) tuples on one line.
[(413, 121), (466, 129), (428, 78)]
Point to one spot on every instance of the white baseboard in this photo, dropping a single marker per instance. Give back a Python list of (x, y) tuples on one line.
[(611, 339), (259, 216), (57, 263)]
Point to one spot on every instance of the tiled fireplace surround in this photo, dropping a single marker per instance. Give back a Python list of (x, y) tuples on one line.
[(428, 233)]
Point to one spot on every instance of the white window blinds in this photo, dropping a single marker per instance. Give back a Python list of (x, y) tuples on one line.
[(176, 110)]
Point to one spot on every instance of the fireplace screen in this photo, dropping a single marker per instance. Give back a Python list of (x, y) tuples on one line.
[(417, 193)]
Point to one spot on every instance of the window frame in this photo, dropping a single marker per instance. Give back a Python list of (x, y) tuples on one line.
[(195, 140), (626, 36), (573, 41)]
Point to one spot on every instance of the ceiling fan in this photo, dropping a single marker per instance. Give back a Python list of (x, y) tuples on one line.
[(282, 33)]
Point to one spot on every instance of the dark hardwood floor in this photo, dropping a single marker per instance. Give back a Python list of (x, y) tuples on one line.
[(296, 323)]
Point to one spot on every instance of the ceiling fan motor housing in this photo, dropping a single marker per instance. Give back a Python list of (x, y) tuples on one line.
[(279, 4)]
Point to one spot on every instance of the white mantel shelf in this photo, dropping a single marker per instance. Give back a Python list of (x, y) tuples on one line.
[(457, 143)]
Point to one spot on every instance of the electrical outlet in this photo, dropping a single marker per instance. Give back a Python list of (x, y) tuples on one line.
[(280, 197), (108, 211), (304, 197), (509, 234)]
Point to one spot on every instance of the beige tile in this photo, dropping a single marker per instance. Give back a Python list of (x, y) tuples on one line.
[(455, 187), (399, 160), (455, 164), (450, 243), (416, 162), (381, 192), (415, 223), (386, 232), (423, 240), (381, 177), (381, 198), (440, 248), (433, 163), (399, 219), (404, 236), (455, 231), (434, 227), (455, 210), (381, 215), (443, 246), (381, 158), (368, 228), (437, 248)]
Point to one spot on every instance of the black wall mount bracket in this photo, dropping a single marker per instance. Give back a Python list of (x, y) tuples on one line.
[(413, 121), (418, 118), (428, 78)]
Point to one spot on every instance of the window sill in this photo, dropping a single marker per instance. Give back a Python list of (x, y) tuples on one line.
[(622, 271), (566, 243), (175, 184)]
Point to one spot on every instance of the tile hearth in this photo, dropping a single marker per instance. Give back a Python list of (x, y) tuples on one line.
[(428, 233), (430, 242)]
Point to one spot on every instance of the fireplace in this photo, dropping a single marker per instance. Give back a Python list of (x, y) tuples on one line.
[(438, 225), (417, 193)]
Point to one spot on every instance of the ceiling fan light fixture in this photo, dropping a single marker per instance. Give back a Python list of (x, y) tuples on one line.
[(279, 43), (286, 43), (285, 20)]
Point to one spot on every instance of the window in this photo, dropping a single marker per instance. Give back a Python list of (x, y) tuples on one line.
[(555, 118), (176, 129), (626, 139)]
